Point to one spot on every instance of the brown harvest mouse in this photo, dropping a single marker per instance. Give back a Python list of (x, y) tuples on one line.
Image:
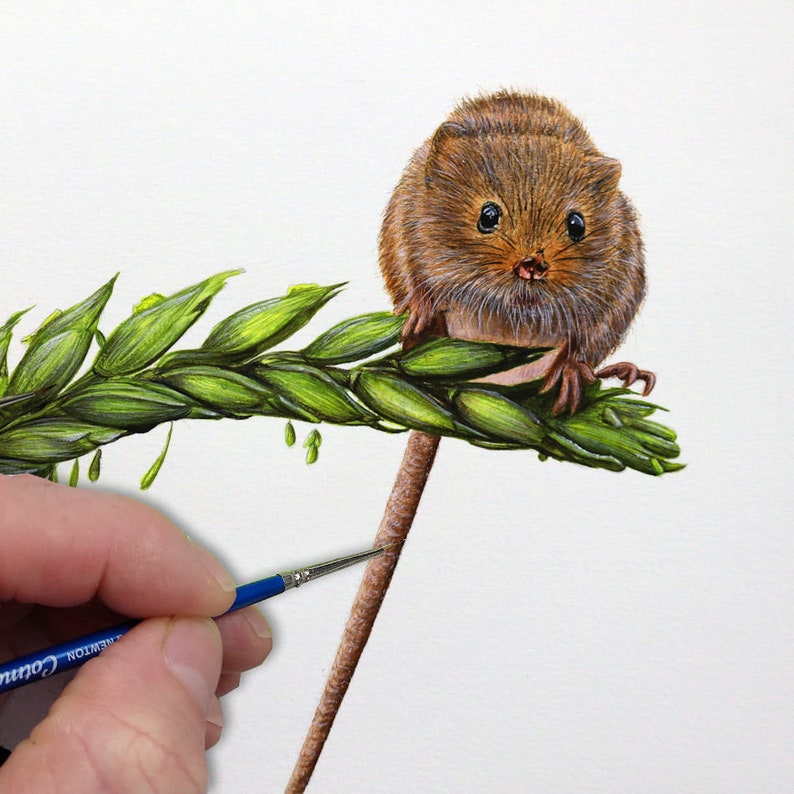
[(508, 226)]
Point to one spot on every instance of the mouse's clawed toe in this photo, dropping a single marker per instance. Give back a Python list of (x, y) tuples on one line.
[(629, 373), (570, 375)]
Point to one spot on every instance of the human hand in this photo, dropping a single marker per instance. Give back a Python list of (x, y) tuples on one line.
[(138, 717)]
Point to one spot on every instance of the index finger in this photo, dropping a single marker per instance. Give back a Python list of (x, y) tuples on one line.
[(63, 546)]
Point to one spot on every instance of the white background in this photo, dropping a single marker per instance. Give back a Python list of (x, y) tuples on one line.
[(549, 628)]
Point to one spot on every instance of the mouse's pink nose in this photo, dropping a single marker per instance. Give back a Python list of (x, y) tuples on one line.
[(533, 267)]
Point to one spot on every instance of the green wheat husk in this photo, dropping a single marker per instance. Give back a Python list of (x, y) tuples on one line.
[(351, 374)]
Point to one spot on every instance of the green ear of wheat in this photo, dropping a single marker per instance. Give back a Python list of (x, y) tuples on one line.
[(352, 374)]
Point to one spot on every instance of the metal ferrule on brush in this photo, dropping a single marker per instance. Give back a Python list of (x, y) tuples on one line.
[(302, 575)]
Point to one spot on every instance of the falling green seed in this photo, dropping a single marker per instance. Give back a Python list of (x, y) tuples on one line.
[(289, 434), (94, 466), (74, 474), (312, 445), (314, 439), (154, 469)]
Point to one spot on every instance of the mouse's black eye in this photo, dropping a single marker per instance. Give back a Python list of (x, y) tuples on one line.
[(489, 217), (574, 225)]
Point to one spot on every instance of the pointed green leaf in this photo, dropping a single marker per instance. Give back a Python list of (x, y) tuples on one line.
[(609, 441), (314, 390), (495, 414), (154, 469), (460, 359), (134, 405), (74, 474), (53, 439), (562, 447), (654, 428), (356, 338), (142, 338), (402, 402), (59, 347), (223, 390), (55, 313), (256, 328), (94, 466), (6, 333)]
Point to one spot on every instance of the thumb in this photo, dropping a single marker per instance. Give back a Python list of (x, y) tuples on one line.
[(132, 720)]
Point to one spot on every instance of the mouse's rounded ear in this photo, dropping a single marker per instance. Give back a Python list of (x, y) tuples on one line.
[(437, 144), (604, 173)]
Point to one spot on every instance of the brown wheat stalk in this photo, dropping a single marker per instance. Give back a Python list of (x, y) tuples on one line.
[(397, 519)]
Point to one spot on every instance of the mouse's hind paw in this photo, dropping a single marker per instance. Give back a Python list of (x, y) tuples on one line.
[(629, 373)]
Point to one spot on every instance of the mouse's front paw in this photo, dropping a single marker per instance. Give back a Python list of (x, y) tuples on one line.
[(421, 321), (570, 374), (629, 373)]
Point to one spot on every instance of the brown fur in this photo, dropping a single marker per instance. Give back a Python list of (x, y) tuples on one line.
[(533, 158)]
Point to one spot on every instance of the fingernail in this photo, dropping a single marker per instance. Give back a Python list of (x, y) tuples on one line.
[(215, 713), (215, 569), (214, 724), (256, 620), (192, 650)]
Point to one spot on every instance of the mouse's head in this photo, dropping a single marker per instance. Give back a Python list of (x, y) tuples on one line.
[(520, 213)]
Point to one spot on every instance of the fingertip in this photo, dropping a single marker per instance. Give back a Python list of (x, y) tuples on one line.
[(247, 639), (228, 682), (217, 576), (259, 625), (193, 652), (214, 724)]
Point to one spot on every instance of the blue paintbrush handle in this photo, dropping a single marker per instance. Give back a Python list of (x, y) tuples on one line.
[(68, 655), (59, 658), (254, 592)]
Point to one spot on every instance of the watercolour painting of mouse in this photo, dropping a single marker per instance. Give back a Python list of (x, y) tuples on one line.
[(508, 226)]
